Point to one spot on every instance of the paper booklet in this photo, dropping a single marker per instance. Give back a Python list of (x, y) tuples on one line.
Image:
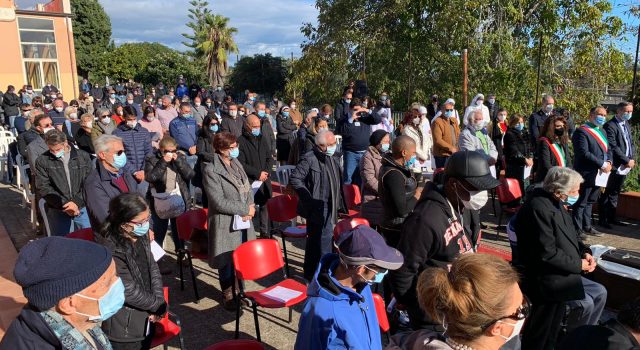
[(282, 294)]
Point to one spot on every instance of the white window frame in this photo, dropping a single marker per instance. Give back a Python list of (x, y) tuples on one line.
[(39, 61)]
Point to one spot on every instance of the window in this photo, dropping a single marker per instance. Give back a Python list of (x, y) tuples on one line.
[(39, 54)]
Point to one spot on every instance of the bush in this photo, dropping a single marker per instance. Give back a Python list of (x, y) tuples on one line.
[(632, 182)]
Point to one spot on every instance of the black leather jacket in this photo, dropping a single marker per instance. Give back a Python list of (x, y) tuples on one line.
[(397, 189)]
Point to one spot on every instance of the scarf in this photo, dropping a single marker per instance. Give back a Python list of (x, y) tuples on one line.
[(71, 338)]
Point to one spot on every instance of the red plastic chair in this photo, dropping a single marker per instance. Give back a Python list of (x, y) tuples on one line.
[(167, 329), (283, 209), (85, 233), (239, 344), (346, 225), (508, 191), (254, 260), (353, 198), (381, 313), (195, 219)]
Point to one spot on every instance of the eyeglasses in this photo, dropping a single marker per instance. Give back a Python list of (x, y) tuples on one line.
[(374, 271), (168, 151), (120, 152), (521, 313), (141, 222)]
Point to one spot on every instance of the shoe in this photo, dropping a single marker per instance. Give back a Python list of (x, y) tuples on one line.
[(594, 232), (228, 301), (619, 223)]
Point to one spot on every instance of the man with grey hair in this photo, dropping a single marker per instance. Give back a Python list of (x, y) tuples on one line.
[(166, 113), (136, 106), (317, 179), (551, 259), (108, 179), (60, 173)]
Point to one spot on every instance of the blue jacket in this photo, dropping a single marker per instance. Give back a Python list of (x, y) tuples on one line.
[(181, 90), (588, 155), (184, 131), (336, 317), (137, 145)]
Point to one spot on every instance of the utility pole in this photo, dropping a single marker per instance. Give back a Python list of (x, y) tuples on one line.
[(635, 71), (535, 102), (291, 73), (409, 78), (465, 77)]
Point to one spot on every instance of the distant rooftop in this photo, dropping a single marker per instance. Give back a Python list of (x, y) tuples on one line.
[(53, 6)]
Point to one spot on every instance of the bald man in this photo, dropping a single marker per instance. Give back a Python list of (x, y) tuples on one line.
[(318, 182)]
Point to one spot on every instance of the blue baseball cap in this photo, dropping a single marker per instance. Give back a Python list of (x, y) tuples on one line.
[(365, 246)]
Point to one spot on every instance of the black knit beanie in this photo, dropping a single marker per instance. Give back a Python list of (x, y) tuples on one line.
[(376, 137), (52, 268)]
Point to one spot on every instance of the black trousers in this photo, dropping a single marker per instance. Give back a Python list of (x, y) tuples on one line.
[(471, 223), (137, 345), (609, 200), (584, 205), (541, 329)]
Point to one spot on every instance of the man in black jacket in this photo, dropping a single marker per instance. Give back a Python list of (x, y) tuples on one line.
[(62, 279), (231, 122), (536, 120), (341, 111), (620, 140), (433, 234), (255, 157), (60, 174), (318, 182)]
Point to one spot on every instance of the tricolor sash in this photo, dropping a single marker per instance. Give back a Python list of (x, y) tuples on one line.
[(557, 152), (598, 136)]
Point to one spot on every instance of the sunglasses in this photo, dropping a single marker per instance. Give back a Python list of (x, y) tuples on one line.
[(521, 313), (120, 152), (168, 151), (448, 110)]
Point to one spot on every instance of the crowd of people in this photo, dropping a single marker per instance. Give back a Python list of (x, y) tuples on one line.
[(126, 161)]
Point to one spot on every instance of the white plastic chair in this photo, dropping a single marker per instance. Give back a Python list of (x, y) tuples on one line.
[(43, 212), (283, 173), (30, 199)]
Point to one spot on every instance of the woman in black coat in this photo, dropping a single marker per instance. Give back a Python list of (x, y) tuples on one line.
[(553, 146), (125, 233), (205, 150), (516, 150), (165, 170), (286, 134), (551, 258)]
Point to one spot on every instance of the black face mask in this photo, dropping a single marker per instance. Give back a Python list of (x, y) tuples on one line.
[(559, 132)]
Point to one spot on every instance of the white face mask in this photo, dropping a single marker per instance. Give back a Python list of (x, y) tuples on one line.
[(73, 116), (416, 120), (132, 124), (88, 125), (477, 200), (151, 118), (59, 109), (130, 102), (106, 120), (501, 117), (233, 113), (197, 104), (517, 327), (46, 130), (479, 102)]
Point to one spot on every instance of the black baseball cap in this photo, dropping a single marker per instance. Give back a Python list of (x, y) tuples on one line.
[(365, 246), (472, 167)]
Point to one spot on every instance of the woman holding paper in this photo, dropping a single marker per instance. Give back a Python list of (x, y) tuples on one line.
[(230, 210), (125, 233), (516, 150)]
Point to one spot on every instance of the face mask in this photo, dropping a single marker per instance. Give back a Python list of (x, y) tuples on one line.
[(347, 100), (112, 96), (132, 124), (109, 303), (383, 98), (46, 130), (517, 327), (285, 114), (253, 99), (416, 120), (233, 113), (627, 116), (558, 132), (151, 118), (54, 96), (140, 229), (186, 116), (492, 100), (377, 278), (549, 108), (255, 132), (106, 120), (119, 161), (292, 106), (47, 106), (571, 200), (130, 102), (234, 153), (331, 150), (600, 120), (365, 104), (240, 113), (479, 102), (262, 114), (448, 114), (323, 129), (59, 154), (59, 109), (26, 114), (385, 147), (88, 125), (478, 125), (501, 117), (409, 163), (73, 116), (214, 128), (219, 88), (197, 104), (519, 126), (477, 200)]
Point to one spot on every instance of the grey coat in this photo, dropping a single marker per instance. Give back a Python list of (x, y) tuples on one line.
[(225, 201), (469, 142), (370, 165)]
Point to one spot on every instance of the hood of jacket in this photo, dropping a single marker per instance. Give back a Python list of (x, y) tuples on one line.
[(324, 285)]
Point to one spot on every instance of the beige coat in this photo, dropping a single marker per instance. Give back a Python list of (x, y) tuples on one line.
[(370, 165)]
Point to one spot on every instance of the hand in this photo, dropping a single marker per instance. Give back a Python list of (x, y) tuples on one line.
[(263, 176), (592, 262), (528, 162), (252, 210), (192, 150), (246, 218), (139, 175), (168, 157), (585, 265), (154, 318), (71, 209), (492, 161), (631, 164), (418, 192), (454, 149), (152, 235)]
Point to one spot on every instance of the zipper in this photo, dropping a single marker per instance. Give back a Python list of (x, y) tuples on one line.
[(366, 319)]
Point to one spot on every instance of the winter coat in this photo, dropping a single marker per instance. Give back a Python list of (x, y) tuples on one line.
[(286, 128), (205, 152), (52, 183), (516, 150), (35, 149), (423, 339), (100, 129), (545, 159), (25, 139), (183, 130), (137, 145), (11, 104), (588, 155), (199, 113), (255, 157), (536, 122), (423, 141), (335, 316), (470, 142), (29, 331), (444, 138), (225, 201), (231, 125), (155, 173), (129, 323), (397, 189), (371, 208)]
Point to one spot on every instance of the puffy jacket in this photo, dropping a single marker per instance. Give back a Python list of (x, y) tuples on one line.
[(51, 178), (337, 317), (183, 130), (155, 172), (137, 144)]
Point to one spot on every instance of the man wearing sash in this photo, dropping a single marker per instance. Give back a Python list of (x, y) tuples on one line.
[(620, 140), (591, 156)]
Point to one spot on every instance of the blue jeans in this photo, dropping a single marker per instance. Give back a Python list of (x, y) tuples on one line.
[(589, 309), (62, 224), (192, 160), (352, 167), (160, 230)]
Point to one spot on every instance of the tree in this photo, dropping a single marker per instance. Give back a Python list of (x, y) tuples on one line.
[(91, 34), (264, 74), (211, 40)]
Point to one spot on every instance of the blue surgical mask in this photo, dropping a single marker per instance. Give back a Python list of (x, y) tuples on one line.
[(448, 114), (214, 128), (409, 163), (253, 99), (234, 153), (377, 278), (383, 98), (262, 114), (385, 147), (600, 120), (255, 132), (59, 154), (627, 116), (119, 161), (112, 96), (187, 116), (571, 200), (331, 150), (141, 229), (285, 114), (519, 126), (109, 303)]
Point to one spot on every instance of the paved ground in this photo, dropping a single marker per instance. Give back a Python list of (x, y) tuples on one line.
[(207, 322)]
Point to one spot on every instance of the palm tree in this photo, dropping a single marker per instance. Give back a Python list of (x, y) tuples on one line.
[(211, 40)]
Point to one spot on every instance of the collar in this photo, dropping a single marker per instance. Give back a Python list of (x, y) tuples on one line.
[(620, 120), (592, 125)]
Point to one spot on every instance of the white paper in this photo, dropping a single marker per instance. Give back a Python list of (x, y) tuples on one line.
[(492, 169), (238, 224), (527, 172), (255, 186), (282, 294), (156, 250), (624, 171), (601, 179)]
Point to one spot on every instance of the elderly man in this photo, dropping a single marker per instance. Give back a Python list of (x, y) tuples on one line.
[(60, 174), (166, 113), (110, 100), (592, 157), (183, 130), (71, 286), (136, 106), (199, 111), (317, 180), (41, 125), (32, 132), (445, 132), (108, 179), (57, 113)]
